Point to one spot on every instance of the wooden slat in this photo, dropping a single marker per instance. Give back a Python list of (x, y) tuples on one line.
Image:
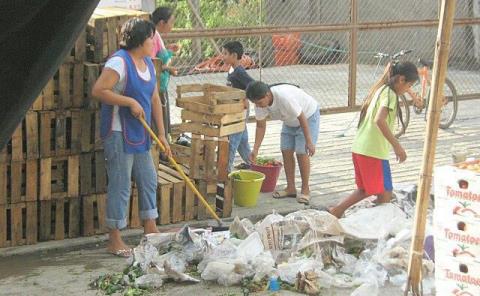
[(45, 179), (222, 160), (210, 159), (227, 199), (229, 96), (45, 220), (80, 46), (101, 213), (59, 219), (74, 217), (3, 225), (75, 132), (88, 215), (65, 100), (100, 173), (17, 224), (163, 190), (32, 223), (197, 128), (135, 221), (48, 95), (189, 104), (77, 85), (16, 181), (91, 73), (112, 36), (98, 37), (73, 182), (46, 118), (31, 180), (3, 184), (31, 126), (17, 144)]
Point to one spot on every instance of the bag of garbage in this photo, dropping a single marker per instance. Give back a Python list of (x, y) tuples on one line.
[(318, 221), (374, 223), (175, 259), (178, 276), (144, 254), (263, 265), (149, 281), (227, 250), (241, 228), (226, 272), (251, 247), (281, 237), (268, 221), (288, 271), (367, 289)]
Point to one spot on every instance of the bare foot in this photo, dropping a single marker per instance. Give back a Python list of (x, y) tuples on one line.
[(149, 226)]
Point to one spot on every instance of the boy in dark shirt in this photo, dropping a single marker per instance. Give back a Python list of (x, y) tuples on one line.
[(237, 78)]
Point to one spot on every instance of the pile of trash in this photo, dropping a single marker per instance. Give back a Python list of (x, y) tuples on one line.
[(308, 250)]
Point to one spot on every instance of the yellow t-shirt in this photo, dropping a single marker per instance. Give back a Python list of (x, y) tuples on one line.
[(369, 140)]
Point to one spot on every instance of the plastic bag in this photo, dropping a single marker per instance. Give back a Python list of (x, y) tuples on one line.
[(288, 271), (374, 223), (263, 265), (367, 289), (319, 221), (251, 247), (226, 273), (176, 260), (149, 281), (241, 228), (227, 250), (144, 254), (177, 276)]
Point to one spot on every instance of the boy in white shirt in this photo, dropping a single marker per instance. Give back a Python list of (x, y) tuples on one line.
[(300, 114)]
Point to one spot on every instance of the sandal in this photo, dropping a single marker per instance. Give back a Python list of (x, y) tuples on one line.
[(303, 198), (283, 194), (124, 253)]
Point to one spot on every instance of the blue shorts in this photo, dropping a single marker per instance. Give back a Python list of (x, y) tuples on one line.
[(292, 137)]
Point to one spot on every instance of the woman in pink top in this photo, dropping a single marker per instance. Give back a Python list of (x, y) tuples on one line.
[(164, 20)]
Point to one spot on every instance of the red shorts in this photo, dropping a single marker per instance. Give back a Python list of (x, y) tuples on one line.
[(372, 174)]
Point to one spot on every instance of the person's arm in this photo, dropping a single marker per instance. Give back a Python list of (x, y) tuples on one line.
[(309, 146), (103, 91), (259, 135), (381, 122), (157, 115)]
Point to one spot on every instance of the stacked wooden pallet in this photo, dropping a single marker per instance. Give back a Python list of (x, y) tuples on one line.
[(210, 113), (52, 172)]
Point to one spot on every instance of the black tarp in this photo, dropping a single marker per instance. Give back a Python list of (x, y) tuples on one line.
[(35, 37)]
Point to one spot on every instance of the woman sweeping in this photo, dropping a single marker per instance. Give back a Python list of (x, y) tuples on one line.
[(127, 90)]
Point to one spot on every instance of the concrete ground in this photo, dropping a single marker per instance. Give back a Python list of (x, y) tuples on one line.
[(66, 267)]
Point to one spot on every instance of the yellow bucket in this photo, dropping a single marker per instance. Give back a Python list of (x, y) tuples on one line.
[(246, 186)]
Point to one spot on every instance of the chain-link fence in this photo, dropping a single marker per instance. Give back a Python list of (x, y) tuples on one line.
[(326, 47)]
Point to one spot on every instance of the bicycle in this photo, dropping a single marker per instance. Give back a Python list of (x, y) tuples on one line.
[(419, 96)]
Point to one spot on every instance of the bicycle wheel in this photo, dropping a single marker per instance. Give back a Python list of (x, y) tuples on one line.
[(449, 107), (400, 129)]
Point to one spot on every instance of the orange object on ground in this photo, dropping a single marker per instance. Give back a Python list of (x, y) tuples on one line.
[(286, 48), (216, 64)]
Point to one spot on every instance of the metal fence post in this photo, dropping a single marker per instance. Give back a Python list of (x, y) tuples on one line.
[(352, 76)]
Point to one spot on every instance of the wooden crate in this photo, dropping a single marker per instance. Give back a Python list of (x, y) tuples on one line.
[(18, 181), (93, 214), (91, 73), (93, 175), (18, 224), (103, 31), (211, 110), (78, 53), (59, 177), (59, 218), (209, 158), (60, 132), (24, 143), (90, 131), (64, 90)]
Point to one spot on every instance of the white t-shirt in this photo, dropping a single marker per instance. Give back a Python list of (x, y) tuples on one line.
[(118, 65), (288, 103)]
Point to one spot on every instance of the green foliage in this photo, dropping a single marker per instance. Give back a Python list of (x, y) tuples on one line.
[(215, 14)]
